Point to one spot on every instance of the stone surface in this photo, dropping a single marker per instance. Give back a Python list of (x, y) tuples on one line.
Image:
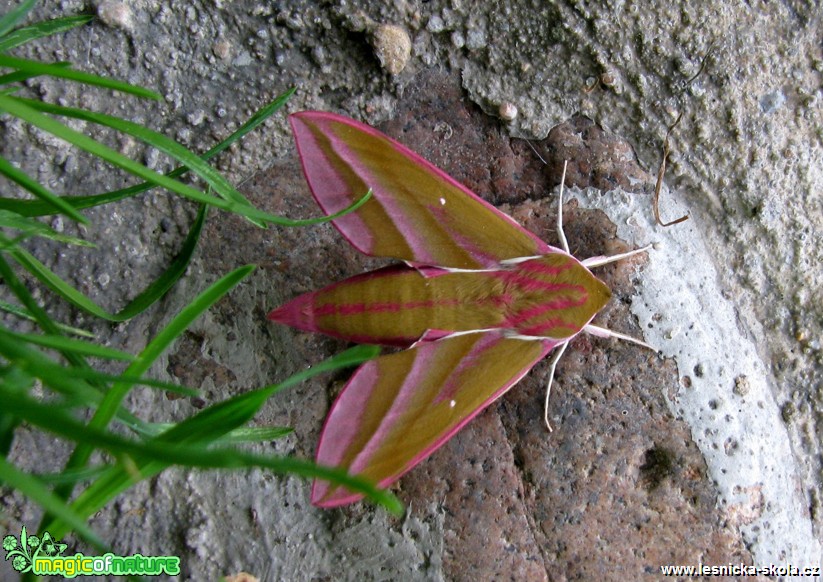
[(622, 485)]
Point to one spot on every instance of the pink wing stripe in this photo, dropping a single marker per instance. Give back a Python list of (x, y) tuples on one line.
[(342, 429), (343, 422), (352, 230), (320, 174), (407, 213)]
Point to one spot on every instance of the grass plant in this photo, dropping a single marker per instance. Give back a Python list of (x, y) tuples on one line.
[(48, 379)]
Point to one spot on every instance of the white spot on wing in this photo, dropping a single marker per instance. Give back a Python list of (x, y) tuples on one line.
[(442, 202)]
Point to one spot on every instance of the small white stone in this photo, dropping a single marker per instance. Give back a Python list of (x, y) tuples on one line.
[(116, 14), (392, 47), (507, 111)]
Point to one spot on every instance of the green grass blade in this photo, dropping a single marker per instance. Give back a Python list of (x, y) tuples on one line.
[(19, 76), (39, 493), (183, 320), (353, 356), (18, 109), (40, 316), (40, 29), (248, 434), (259, 117), (168, 146), (24, 314), (137, 305), (113, 398), (255, 434), (34, 360), (102, 378), (29, 227), (223, 417), (80, 385), (37, 208), (66, 477), (15, 15), (36, 364), (56, 284), (208, 426), (71, 345), (173, 272), (38, 68), (16, 175), (118, 480), (8, 424)]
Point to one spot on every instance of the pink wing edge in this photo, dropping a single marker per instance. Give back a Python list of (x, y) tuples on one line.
[(305, 145), (320, 487), (304, 141)]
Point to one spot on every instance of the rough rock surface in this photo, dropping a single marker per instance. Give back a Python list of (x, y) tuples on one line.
[(621, 486)]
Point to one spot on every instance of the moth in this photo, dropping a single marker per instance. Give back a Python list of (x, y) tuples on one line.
[(477, 302)]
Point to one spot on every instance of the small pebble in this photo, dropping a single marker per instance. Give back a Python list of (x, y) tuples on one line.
[(507, 111), (116, 14), (222, 50), (392, 46)]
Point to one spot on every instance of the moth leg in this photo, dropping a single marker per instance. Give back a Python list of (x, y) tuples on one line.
[(561, 348), (564, 244), (598, 331)]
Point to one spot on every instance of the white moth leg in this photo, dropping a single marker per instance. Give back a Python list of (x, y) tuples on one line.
[(598, 331), (555, 359), (564, 244)]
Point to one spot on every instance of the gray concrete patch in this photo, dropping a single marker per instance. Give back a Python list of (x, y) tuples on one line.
[(746, 164)]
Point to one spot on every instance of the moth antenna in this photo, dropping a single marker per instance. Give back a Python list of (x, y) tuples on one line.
[(555, 359), (598, 331), (536, 153), (598, 261), (560, 234)]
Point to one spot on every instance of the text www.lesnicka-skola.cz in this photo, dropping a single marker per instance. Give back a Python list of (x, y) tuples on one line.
[(772, 571)]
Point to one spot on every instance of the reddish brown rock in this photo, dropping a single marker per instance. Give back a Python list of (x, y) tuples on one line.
[(619, 488)]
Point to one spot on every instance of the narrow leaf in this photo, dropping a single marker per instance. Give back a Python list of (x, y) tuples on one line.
[(66, 344), (41, 29), (37, 208), (206, 427), (38, 68), (15, 15), (15, 107), (19, 76), (24, 180), (29, 227), (173, 272), (256, 434), (156, 346), (41, 317), (49, 371), (25, 314), (70, 381), (239, 435), (230, 414), (168, 146), (39, 493), (68, 477), (137, 305)]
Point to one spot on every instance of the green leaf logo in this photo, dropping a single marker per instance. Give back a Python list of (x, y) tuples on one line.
[(22, 552)]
